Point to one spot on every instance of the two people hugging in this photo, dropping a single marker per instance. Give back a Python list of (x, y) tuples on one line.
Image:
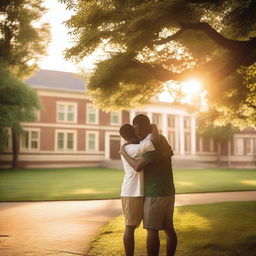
[(148, 191)]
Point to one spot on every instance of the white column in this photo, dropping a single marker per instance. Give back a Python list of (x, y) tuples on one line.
[(132, 115), (193, 135), (149, 114), (107, 146), (177, 135), (181, 135), (164, 119)]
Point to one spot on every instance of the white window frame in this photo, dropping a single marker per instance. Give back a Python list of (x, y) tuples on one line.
[(30, 149), (172, 139), (187, 118), (8, 147), (96, 133), (188, 141), (253, 146), (119, 117), (65, 149), (66, 104), (235, 147), (88, 105)]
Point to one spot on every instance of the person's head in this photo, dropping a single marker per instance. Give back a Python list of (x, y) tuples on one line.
[(141, 125), (128, 133)]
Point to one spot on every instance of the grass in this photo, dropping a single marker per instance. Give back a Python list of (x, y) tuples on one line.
[(102, 183), (222, 229)]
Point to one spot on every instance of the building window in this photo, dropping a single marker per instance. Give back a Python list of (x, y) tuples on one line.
[(30, 140), (115, 118), (92, 114), (171, 139), (92, 142), (8, 140), (187, 122), (171, 121), (65, 140), (187, 142), (66, 112), (239, 146), (250, 146), (156, 119)]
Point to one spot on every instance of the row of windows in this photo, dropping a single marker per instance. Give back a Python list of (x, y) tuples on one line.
[(64, 140), (67, 113), (245, 146), (157, 119)]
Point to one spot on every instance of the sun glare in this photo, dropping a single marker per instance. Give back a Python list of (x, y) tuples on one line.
[(191, 87)]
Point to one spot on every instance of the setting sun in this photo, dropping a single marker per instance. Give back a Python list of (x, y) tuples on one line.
[(191, 87)]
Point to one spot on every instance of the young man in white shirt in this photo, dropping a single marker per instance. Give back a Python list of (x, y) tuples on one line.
[(132, 192)]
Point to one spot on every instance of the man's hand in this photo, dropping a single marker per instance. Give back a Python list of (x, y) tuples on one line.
[(122, 149), (154, 134)]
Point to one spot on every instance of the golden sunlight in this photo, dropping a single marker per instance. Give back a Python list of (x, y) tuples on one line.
[(191, 87)]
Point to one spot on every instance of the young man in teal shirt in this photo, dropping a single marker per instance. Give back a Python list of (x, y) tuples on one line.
[(159, 188)]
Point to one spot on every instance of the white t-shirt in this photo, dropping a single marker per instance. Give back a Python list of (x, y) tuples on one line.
[(133, 183)]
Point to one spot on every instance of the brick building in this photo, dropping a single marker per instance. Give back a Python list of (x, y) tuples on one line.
[(70, 131)]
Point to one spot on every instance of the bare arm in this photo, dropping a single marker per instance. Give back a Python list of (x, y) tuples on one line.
[(137, 165)]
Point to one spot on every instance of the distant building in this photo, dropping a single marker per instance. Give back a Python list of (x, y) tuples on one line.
[(70, 131)]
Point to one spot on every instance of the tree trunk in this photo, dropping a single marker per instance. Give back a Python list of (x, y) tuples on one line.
[(15, 150)]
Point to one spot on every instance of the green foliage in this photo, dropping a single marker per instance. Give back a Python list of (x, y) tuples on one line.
[(23, 37), (140, 55), (18, 103)]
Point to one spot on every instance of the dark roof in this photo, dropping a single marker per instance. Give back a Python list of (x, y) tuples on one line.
[(59, 80)]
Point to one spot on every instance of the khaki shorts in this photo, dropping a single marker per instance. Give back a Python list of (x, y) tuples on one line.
[(133, 210), (158, 212)]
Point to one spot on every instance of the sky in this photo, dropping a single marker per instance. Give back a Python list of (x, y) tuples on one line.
[(56, 15)]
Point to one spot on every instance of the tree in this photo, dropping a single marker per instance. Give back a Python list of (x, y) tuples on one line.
[(220, 134), (149, 43), (23, 37), (22, 106), (23, 40)]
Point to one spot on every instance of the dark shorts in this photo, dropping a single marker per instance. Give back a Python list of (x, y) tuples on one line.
[(158, 212)]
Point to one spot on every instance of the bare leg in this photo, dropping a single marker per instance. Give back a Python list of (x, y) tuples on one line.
[(129, 240), (153, 242), (171, 241)]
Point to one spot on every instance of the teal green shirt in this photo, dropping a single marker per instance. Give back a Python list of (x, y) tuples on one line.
[(158, 176)]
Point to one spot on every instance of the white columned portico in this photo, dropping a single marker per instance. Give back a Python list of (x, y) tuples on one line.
[(164, 124), (149, 114), (177, 135), (132, 115), (181, 135), (193, 135)]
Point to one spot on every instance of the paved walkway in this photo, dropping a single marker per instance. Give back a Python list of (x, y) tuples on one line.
[(65, 228)]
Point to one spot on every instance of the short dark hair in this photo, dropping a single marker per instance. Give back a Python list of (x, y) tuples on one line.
[(127, 131), (141, 120)]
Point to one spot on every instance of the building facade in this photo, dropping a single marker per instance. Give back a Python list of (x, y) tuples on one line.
[(70, 131)]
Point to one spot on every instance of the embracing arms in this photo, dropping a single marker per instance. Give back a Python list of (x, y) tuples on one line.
[(138, 165)]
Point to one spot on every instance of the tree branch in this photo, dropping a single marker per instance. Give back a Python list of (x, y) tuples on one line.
[(164, 75), (157, 71), (170, 38), (220, 39)]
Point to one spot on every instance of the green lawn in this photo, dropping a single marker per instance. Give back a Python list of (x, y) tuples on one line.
[(223, 229), (100, 183)]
